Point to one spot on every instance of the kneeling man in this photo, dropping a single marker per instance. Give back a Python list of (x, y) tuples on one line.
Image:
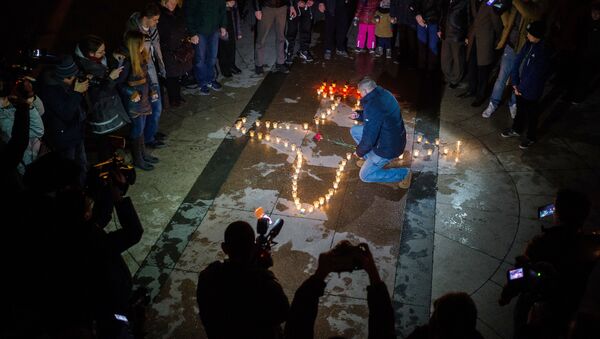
[(382, 137)]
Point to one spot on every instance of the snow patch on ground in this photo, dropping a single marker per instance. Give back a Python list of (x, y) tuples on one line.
[(245, 80), (220, 134)]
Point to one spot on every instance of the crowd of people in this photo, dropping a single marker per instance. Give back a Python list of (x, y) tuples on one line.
[(80, 285)]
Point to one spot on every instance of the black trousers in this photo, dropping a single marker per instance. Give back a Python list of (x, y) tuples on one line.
[(527, 117), (227, 48), (407, 42), (173, 87), (301, 23), (336, 27), (477, 75)]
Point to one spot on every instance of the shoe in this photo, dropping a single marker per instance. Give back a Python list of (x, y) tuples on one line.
[(259, 70), (342, 53), (226, 74), (204, 90), (358, 50), (526, 143), (283, 68), (371, 50), (379, 52), (489, 110), (215, 85), (513, 110), (160, 136), (360, 163), (149, 158), (405, 183), (388, 53), (306, 56), (156, 144), (509, 133), (478, 102), (466, 94), (289, 58), (327, 55), (137, 151), (235, 70)]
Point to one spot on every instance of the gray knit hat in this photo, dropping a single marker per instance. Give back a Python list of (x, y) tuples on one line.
[(66, 68)]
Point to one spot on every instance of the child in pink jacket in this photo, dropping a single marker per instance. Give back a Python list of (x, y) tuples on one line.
[(365, 18)]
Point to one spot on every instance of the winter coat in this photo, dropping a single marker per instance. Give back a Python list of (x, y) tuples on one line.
[(384, 131), (365, 11), (36, 131), (152, 44), (383, 28), (399, 9), (454, 20), (64, 117), (105, 109), (428, 9), (257, 5), (173, 32), (485, 32), (531, 69), (234, 21), (533, 10), (130, 84), (204, 17)]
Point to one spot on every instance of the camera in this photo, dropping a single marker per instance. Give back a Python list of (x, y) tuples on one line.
[(546, 210), (499, 6), (346, 257), (100, 174), (267, 231)]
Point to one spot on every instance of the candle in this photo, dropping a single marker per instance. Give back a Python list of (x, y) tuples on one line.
[(275, 124), (287, 126), (293, 147), (297, 171), (323, 115), (437, 141), (338, 179), (456, 159), (317, 121), (321, 200), (446, 150), (295, 176), (251, 133), (322, 121), (310, 209), (355, 122), (324, 95), (260, 135), (458, 146), (416, 153), (344, 162), (348, 156), (316, 204), (285, 143), (277, 139), (329, 111), (267, 136), (401, 156), (331, 191), (358, 102), (243, 130), (267, 124), (238, 126), (335, 185), (327, 197), (429, 152), (296, 201), (419, 138), (305, 126), (244, 119), (302, 211), (294, 194), (257, 122), (331, 97)]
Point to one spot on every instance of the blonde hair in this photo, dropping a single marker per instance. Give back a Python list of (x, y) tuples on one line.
[(134, 40)]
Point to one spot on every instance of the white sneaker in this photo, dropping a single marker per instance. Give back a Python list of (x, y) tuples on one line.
[(513, 110), (489, 110)]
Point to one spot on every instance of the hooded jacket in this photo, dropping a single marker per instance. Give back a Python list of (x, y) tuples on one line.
[(152, 44), (531, 69)]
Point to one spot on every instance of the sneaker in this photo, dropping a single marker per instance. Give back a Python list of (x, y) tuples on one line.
[(150, 159), (342, 53), (509, 133), (358, 50), (360, 163), (156, 144), (526, 143), (379, 52), (405, 183), (215, 85), (259, 70), (513, 110), (283, 68), (327, 55), (305, 55), (388, 53), (289, 59), (204, 90), (489, 110), (371, 50)]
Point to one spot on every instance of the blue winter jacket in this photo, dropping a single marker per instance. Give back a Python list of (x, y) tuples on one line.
[(384, 131), (531, 69)]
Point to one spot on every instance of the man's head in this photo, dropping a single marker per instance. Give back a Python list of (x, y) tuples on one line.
[(571, 208), (239, 244), (536, 31), (366, 86), (149, 15), (596, 11), (66, 70), (454, 315)]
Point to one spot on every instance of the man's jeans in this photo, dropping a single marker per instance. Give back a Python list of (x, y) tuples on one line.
[(506, 65), (150, 126), (205, 58), (372, 170)]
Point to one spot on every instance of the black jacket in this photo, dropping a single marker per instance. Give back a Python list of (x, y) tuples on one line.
[(173, 32), (454, 20), (428, 9), (259, 4)]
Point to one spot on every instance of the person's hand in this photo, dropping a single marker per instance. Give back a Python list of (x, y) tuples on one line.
[(223, 33), (420, 20), (258, 15), (114, 74), (355, 21), (393, 20), (368, 264), (324, 266), (135, 97), (322, 7), (310, 3), (516, 90), (195, 39), (301, 4), (354, 116), (81, 87), (293, 12), (439, 34), (230, 4), (467, 41)]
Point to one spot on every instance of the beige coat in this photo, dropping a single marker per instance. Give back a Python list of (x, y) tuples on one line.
[(383, 28), (530, 11), (485, 31)]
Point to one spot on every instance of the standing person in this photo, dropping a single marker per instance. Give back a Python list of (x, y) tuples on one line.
[(106, 112), (206, 21), (337, 14), (175, 46), (529, 73), (227, 47), (382, 138), (514, 35), (62, 94), (301, 23), (365, 18), (454, 23), (427, 15), (483, 37), (146, 22), (271, 13), (137, 92), (406, 29), (383, 29)]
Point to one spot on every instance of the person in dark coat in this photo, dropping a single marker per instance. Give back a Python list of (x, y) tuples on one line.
[(62, 94), (484, 35), (301, 25), (406, 30), (174, 39), (337, 22), (427, 15), (227, 47), (454, 23)]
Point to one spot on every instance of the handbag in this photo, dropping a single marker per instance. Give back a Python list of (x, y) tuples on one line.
[(184, 53)]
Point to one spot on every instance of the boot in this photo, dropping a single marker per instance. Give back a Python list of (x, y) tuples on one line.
[(147, 156), (137, 145), (379, 51)]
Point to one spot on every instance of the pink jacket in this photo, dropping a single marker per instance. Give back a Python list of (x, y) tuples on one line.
[(365, 10)]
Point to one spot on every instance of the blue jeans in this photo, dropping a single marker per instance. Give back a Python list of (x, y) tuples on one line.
[(150, 126), (506, 64), (138, 126), (205, 58), (428, 36), (372, 170)]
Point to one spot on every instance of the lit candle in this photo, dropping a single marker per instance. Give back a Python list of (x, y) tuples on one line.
[(321, 200), (429, 152), (243, 130), (355, 122), (238, 126), (322, 121), (338, 179), (456, 159), (316, 204), (257, 122), (458, 146), (277, 139), (275, 124), (302, 211), (344, 162), (437, 141), (335, 185), (305, 126), (416, 153), (294, 194), (260, 135), (251, 133), (331, 191), (331, 97), (317, 121), (329, 111), (267, 124), (310, 209), (297, 171), (348, 156), (324, 95), (419, 138), (323, 115), (285, 143), (401, 156), (446, 150), (327, 197), (295, 176), (358, 102), (293, 147), (297, 201)]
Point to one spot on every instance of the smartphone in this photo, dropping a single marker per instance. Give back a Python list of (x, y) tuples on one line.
[(121, 317), (515, 274), (545, 211)]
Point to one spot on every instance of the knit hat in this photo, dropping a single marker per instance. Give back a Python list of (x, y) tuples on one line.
[(66, 68), (384, 4), (537, 29)]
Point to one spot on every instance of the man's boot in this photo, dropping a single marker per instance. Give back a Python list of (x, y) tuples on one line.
[(137, 145), (148, 158)]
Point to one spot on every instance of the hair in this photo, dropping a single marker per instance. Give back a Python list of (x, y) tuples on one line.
[(454, 316), (164, 2), (239, 239), (134, 40), (367, 84), (572, 207), (90, 44), (150, 10)]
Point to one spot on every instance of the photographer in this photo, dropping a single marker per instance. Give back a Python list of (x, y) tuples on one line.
[(106, 112), (240, 298), (304, 309), (62, 94)]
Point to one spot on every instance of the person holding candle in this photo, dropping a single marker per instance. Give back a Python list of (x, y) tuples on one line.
[(382, 137)]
